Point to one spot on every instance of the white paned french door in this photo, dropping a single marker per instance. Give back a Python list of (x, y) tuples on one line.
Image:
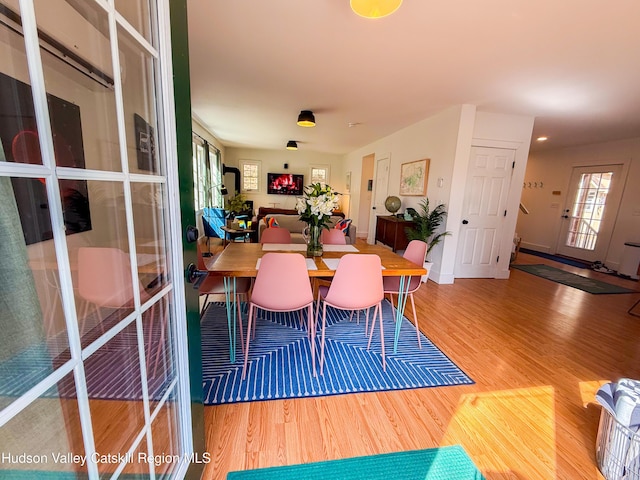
[(93, 377)]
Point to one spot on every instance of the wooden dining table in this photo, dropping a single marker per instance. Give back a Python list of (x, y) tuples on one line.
[(242, 260)]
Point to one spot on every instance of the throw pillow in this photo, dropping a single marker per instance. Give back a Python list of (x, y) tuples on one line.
[(272, 223), (343, 225)]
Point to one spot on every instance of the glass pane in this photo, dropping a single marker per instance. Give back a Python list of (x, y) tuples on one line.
[(138, 90), (161, 371), (115, 391), (45, 436), (79, 81), (34, 334), (18, 130), (137, 13), (100, 263), (138, 464), (148, 217), (165, 434)]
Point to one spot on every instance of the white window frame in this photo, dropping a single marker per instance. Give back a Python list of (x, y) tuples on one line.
[(327, 174), (256, 163)]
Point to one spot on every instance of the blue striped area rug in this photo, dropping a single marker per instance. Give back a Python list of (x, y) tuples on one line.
[(280, 359), (112, 372)]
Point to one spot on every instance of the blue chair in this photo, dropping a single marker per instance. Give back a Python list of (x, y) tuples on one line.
[(213, 219)]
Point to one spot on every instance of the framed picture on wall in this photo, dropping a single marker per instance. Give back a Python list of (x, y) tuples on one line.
[(413, 177), (145, 144)]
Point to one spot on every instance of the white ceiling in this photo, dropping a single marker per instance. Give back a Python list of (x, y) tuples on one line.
[(572, 64)]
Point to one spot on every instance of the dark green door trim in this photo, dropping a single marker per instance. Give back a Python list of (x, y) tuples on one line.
[(182, 94)]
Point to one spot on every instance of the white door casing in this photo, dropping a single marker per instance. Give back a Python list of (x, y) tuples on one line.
[(380, 190), (484, 211)]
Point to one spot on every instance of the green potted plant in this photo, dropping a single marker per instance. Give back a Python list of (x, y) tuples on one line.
[(236, 205), (427, 222)]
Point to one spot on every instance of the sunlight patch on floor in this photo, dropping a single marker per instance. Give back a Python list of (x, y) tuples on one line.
[(588, 390), (516, 423)]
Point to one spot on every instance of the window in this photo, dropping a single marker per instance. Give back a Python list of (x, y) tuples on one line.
[(250, 175), (319, 174), (207, 175)]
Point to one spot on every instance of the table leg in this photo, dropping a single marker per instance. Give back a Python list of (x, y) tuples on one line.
[(403, 289), (230, 299)]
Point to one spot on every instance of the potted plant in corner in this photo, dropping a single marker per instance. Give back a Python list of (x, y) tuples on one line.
[(427, 223), (236, 206)]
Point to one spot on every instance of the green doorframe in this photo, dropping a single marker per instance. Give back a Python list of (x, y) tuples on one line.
[(182, 94)]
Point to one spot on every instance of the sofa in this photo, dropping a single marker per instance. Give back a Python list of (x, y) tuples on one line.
[(293, 223)]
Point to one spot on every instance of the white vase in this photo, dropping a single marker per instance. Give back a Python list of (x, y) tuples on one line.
[(427, 266)]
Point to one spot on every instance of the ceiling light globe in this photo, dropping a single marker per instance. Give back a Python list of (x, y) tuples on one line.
[(375, 8)]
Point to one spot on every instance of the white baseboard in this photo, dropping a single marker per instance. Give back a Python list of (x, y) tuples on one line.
[(442, 279), (503, 274), (536, 247)]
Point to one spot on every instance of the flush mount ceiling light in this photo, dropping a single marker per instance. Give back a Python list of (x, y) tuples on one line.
[(306, 119), (542, 139), (292, 145), (375, 8)]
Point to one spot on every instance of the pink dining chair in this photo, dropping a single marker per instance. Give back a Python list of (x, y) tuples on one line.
[(104, 280), (281, 285), (356, 285), (415, 253), (275, 235), (214, 285), (333, 236)]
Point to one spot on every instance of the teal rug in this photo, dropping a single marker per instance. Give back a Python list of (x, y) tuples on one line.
[(572, 280), (445, 463)]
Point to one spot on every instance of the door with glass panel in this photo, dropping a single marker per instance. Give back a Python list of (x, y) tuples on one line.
[(593, 198), (92, 375)]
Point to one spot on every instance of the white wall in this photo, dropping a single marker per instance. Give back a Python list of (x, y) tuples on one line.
[(540, 228), (446, 139), (300, 162), (434, 138)]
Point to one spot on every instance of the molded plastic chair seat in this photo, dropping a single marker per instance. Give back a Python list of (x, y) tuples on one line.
[(281, 285), (356, 285), (415, 252), (104, 279), (333, 236), (275, 235)]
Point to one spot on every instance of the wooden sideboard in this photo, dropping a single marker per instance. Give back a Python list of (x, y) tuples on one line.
[(390, 230)]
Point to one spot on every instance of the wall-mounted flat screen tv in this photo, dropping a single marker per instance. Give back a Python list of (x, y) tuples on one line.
[(285, 183)]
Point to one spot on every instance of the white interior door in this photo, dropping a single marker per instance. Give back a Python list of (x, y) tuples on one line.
[(380, 190), (484, 211), (593, 198), (91, 279)]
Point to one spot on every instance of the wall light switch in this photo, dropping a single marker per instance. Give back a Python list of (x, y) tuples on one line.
[(555, 205), (440, 182)]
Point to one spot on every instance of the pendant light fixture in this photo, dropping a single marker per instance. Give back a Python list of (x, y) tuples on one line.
[(306, 119), (375, 8), (292, 145)]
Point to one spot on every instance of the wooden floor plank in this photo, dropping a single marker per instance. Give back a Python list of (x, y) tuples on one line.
[(537, 351)]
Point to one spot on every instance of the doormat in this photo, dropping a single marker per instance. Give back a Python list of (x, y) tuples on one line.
[(444, 463), (558, 258), (280, 359), (585, 284)]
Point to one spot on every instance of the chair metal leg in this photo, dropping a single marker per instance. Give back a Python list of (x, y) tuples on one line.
[(415, 319), (246, 350), (630, 311)]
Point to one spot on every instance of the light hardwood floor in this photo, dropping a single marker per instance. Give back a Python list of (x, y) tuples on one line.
[(537, 351)]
